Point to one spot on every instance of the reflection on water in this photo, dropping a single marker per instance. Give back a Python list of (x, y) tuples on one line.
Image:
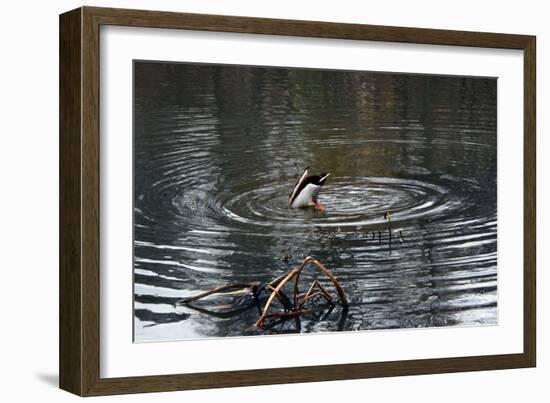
[(218, 149)]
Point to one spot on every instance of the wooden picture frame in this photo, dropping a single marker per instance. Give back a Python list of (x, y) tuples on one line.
[(79, 348)]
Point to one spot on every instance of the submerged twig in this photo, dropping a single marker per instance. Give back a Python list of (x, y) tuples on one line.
[(401, 236), (281, 296), (241, 287), (294, 314)]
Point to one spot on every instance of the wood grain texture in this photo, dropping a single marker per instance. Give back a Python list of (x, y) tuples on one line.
[(316, 29), (305, 374), (530, 203), (90, 202), (70, 271), (80, 201)]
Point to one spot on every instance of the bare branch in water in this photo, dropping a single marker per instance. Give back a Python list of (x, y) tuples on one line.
[(295, 273), (239, 287), (293, 308)]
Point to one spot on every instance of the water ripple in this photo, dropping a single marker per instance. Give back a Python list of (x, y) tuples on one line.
[(215, 161)]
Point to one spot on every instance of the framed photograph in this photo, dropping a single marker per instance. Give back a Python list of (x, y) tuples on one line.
[(249, 201)]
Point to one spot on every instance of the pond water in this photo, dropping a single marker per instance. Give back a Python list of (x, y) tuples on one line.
[(217, 150)]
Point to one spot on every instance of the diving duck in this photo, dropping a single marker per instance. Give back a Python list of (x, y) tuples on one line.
[(305, 191)]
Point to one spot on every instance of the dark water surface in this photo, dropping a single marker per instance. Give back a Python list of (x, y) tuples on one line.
[(218, 149)]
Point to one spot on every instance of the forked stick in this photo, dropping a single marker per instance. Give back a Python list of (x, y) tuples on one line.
[(296, 272), (329, 274), (309, 290), (322, 292), (285, 280), (325, 292), (283, 299), (296, 281)]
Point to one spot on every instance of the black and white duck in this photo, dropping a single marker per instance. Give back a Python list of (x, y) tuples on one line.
[(305, 191)]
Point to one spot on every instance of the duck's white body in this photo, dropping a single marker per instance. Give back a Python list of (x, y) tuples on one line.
[(305, 191), (307, 197)]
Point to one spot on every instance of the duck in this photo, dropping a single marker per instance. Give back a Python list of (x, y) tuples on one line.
[(305, 191)]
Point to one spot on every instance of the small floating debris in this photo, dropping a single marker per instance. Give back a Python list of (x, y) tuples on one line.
[(371, 236), (313, 298), (387, 217), (285, 258), (401, 239)]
